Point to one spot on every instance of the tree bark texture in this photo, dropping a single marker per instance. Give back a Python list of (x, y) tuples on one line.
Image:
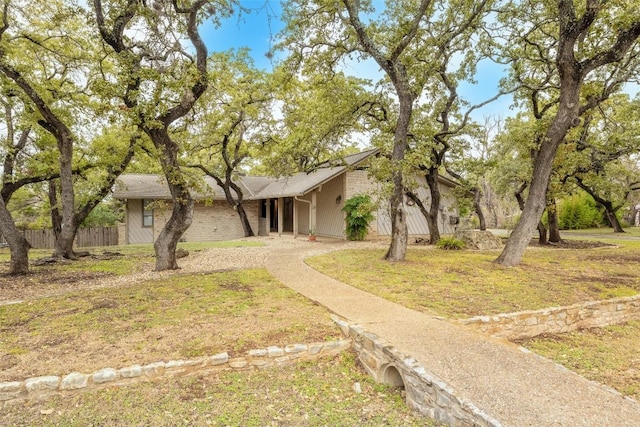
[(552, 220), (228, 185), (56, 218), (182, 209), (610, 212), (399, 232), (18, 245), (542, 233), (477, 207), (434, 205)]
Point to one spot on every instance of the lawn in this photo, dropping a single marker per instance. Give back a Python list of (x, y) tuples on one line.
[(460, 284), (609, 355), (321, 393), (463, 284), (178, 315), (66, 324), (182, 316)]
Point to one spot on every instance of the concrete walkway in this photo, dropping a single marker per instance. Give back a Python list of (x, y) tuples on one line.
[(512, 386)]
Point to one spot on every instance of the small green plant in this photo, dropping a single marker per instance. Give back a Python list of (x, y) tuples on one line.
[(450, 244), (359, 211)]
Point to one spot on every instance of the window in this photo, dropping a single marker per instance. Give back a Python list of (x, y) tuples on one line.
[(147, 213)]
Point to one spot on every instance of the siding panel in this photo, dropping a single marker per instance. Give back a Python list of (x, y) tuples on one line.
[(330, 220), (416, 222), (136, 233)]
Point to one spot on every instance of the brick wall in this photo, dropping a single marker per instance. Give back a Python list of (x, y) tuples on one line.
[(215, 222)]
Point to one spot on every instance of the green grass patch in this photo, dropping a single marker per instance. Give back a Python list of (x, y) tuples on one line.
[(180, 316), (319, 393), (467, 283), (608, 355), (604, 232)]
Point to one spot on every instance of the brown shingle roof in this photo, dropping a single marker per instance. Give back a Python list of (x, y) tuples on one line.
[(141, 186)]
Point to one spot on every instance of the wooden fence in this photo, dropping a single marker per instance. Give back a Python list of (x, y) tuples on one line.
[(98, 236)]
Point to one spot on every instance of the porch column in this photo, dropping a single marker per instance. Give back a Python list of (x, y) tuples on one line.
[(280, 215), (312, 212), (268, 219), (295, 218)]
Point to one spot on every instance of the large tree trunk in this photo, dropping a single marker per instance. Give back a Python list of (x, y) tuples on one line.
[(399, 233), (434, 206), (552, 219), (65, 226), (56, 217), (180, 220), (542, 234), (542, 230), (18, 245), (237, 204), (182, 211), (536, 201), (64, 245), (244, 219), (610, 212), (477, 195)]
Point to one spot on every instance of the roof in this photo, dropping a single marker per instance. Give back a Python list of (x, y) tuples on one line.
[(147, 186), (303, 182), (143, 186)]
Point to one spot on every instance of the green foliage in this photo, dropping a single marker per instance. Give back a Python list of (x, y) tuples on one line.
[(359, 210), (578, 212), (450, 244), (106, 214)]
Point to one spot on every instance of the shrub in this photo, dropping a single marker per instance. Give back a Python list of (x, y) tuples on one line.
[(450, 244), (359, 210), (578, 212)]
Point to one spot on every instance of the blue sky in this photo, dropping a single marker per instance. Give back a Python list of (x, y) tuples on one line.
[(258, 28)]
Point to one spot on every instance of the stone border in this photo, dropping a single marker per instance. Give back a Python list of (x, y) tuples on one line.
[(425, 392), (530, 323), (41, 388)]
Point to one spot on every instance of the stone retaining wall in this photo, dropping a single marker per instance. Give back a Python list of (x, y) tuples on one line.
[(39, 388), (527, 324), (425, 392)]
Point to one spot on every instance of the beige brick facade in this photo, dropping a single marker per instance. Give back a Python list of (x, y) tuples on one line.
[(211, 222)]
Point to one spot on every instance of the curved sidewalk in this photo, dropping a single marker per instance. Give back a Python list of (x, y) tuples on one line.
[(513, 386)]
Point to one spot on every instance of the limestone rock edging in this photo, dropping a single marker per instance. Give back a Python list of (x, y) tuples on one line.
[(531, 323), (41, 388)]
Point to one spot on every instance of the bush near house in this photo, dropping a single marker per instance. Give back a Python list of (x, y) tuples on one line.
[(359, 210)]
